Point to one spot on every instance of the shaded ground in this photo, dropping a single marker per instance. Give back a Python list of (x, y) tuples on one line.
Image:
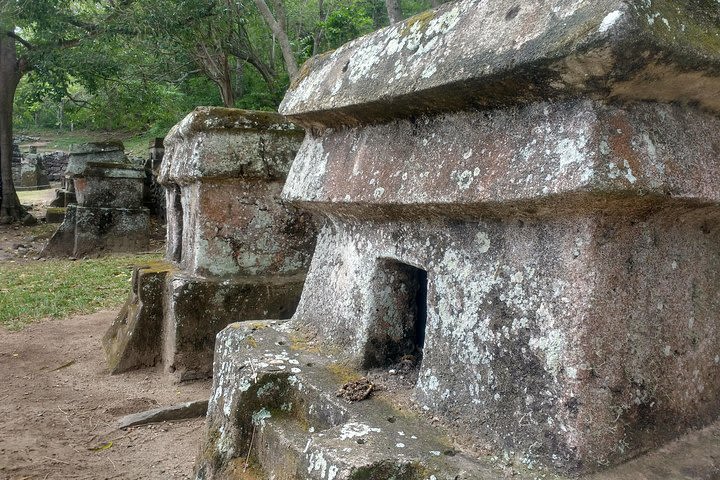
[(18, 243), (58, 407)]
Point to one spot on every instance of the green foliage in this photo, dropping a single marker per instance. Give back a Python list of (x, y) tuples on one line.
[(142, 65), (347, 22), (63, 287)]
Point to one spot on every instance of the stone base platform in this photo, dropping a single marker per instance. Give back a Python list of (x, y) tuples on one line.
[(274, 406), (134, 338), (197, 308), (55, 214), (93, 231), (63, 198), (173, 318)]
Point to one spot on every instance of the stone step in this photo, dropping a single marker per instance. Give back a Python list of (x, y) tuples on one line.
[(302, 430), (279, 396)]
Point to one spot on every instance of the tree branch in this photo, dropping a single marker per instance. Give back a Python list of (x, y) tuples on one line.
[(22, 41)]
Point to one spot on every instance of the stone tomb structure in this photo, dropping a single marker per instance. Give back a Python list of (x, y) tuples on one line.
[(522, 219), (154, 192), (108, 215), (29, 172), (234, 251)]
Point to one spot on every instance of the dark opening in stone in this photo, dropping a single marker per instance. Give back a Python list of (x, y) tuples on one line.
[(178, 218), (397, 334)]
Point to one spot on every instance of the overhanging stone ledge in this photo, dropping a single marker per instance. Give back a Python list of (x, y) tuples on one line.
[(488, 54)]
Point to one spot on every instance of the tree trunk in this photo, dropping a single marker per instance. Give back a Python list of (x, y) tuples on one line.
[(226, 84), (317, 37), (10, 208), (394, 11), (239, 78), (281, 34)]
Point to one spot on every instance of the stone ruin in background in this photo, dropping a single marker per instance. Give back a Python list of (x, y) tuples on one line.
[(154, 192), (103, 195), (235, 252), (29, 172), (521, 241)]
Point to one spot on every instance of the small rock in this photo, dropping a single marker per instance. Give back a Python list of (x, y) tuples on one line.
[(173, 412), (28, 220)]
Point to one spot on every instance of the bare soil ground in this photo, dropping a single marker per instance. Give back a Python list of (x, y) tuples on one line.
[(59, 405)]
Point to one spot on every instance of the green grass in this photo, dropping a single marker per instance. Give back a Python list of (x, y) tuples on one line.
[(35, 196), (58, 288)]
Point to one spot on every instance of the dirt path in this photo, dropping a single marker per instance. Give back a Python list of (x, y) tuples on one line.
[(58, 407)]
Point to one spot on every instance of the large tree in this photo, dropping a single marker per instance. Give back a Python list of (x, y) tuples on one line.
[(35, 37), (12, 68)]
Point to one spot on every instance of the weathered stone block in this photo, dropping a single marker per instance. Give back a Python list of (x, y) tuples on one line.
[(109, 216), (242, 253), (110, 186), (286, 417), (199, 308), (55, 215), (522, 206), (106, 230), (224, 170), (31, 174), (255, 234), (134, 338), (99, 152), (489, 54)]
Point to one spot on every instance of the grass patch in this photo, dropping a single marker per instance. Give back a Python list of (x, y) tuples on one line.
[(31, 291), (29, 197)]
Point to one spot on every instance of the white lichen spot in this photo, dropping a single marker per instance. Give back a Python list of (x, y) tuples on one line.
[(604, 147), (317, 463), (295, 370), (354, 429), (244, 384), (482, 241), (667, 350), (629, 174), (259, 417), (610, 20), (378, 192), (570, 151), (467, 154), (465, 179), (400, 445), (552, 345), (429, 71)]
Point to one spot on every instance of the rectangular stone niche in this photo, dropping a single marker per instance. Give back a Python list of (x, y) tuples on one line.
[(397, 326)]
